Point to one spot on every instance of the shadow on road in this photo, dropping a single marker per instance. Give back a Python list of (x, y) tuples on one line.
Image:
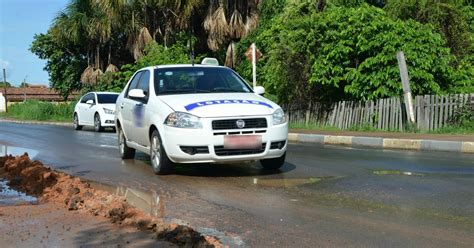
[(228, 170)]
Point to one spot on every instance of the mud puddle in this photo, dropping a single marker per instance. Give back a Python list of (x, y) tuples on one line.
[(288, 182), (73, 194), (397, 172), (11, 197), (153, 204)]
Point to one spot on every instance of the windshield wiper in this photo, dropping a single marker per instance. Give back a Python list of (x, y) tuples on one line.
[(182, 91), (227, 90)]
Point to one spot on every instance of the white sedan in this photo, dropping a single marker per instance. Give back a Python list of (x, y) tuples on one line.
[(95, 109), (198, 114)]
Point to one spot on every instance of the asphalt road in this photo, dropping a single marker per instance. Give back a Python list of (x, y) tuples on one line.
[(323, 196)]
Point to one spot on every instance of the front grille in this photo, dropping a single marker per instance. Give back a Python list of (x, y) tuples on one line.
[(221, 151), (243, 132), (231, 123)]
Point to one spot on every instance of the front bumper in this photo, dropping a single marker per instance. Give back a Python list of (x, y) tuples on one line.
[(178, 143), (107, 120)]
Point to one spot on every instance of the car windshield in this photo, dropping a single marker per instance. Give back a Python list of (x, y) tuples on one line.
[(186, 80), (107, 98)]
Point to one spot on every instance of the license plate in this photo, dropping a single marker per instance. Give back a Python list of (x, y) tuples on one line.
[(243, 142)]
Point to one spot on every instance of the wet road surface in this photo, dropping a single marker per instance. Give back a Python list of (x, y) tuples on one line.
[(323, 196)]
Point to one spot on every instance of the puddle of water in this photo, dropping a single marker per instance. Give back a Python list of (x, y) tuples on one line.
[(16, 151), (286, 182), (151, 203), (11, 197), (396, 172)]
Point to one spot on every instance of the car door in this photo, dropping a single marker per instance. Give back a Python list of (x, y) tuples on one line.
[(83, 108), (126, 108), (89, 109), (80, 107), (139, 111)]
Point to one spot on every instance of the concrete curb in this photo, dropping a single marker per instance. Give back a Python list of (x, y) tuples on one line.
[(64, 124), (389, 143)]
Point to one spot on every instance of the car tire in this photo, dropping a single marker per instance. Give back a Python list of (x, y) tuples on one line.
[(97, 123), (159, 159), (273, 163), (75, 122), (125, 151)]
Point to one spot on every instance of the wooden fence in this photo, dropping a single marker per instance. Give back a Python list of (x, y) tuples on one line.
[(431, 112)]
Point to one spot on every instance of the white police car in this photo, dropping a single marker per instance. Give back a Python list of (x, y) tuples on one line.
[(198, 114), (95, 109)]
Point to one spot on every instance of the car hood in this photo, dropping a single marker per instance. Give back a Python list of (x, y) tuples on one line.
[(220, 104), (110, 106)]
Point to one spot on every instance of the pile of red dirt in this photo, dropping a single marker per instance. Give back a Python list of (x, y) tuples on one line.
[(33, 178)]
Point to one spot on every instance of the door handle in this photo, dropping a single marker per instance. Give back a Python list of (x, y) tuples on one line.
[(121, 106)]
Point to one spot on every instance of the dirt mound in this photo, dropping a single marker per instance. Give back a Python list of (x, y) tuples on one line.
[(33, 178)]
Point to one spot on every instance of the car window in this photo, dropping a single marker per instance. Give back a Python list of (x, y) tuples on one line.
[(134, 82), (185, 80), (86, 97), (144, 82), (107, 98)]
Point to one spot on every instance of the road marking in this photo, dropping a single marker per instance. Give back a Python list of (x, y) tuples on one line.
[(109, 146)]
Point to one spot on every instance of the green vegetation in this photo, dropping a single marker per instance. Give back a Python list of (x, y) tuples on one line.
[(41, 111), (324, 50), (313, 51), (349, 53)]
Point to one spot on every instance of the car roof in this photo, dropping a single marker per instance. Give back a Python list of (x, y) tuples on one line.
[(106, 92), (183, 66)]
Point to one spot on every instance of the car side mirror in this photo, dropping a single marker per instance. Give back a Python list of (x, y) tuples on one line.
[(137, 94), (259, 90), (90, 102)]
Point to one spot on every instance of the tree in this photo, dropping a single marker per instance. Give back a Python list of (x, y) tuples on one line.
[(64, 67), (348, 53), (2, 84), (449, 17)]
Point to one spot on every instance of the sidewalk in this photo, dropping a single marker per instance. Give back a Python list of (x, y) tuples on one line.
[(9, 120), (390, 140)]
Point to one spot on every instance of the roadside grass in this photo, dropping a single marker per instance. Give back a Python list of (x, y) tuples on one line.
[(40, 111)]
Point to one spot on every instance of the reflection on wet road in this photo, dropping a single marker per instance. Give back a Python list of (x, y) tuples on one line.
[(322, 196)]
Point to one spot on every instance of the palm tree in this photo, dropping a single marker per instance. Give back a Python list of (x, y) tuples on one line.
[(115, 12), (228, 21)]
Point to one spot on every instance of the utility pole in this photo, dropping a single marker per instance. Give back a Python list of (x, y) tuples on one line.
[(5, 89), (406, 86), (254, 65)]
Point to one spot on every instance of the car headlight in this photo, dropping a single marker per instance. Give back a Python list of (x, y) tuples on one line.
[(278, 117), (183, 120), (108, 111)]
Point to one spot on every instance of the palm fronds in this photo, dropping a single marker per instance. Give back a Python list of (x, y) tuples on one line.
[(137, 42), (87, 74), (237, 27), (111, 68), (231, 55)]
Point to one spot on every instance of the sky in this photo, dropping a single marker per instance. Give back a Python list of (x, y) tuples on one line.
[(20, 20)]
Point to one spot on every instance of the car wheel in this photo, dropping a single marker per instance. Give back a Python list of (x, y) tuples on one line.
[(159, 159), (125, 151), (75, 122), (273, 163), (97, 124)]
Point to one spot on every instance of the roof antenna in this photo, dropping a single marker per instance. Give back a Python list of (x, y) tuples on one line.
[(191, 47)]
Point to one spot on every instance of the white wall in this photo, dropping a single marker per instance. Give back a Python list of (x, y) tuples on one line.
[(2, 103)]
